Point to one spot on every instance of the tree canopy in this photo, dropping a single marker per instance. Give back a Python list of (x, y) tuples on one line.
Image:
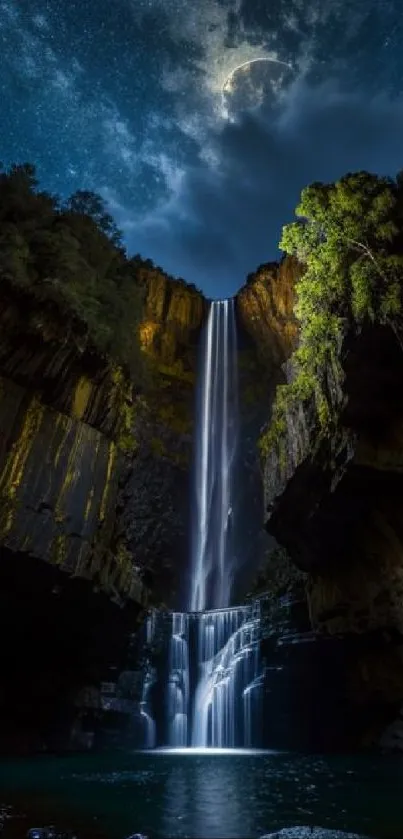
[(84, 203), (349, 238), (71, 253)]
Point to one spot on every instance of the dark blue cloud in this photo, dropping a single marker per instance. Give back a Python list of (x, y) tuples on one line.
[(226, 220), (124, 98)]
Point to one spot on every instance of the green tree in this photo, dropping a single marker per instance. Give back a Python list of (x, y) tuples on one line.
[(86, 203), (20, 200), (348, 236), (71, 255)]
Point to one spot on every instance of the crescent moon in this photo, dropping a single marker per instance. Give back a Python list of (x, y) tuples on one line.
[(227, 83)]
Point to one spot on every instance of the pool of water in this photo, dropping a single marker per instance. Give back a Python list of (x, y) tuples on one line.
[(200, 795)]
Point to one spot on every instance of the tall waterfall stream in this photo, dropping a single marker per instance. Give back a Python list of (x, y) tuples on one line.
[(212, 683)]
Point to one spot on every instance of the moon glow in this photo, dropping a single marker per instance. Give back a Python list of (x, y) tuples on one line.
[(228, 81), (252, 83)]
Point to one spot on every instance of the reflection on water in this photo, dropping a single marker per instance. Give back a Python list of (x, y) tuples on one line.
[(208, 752), (207, 796)]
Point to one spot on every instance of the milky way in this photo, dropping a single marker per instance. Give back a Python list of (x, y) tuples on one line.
[(125, 98)]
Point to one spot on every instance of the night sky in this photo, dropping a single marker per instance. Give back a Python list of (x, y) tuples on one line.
[(135, 99)]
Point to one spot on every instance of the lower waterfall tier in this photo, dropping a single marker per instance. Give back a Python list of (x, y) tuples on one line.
[(206, 688), (228, 678)]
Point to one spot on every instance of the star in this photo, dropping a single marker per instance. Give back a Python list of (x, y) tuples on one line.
[(178, 113)]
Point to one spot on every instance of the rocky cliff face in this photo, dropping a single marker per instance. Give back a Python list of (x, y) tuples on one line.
[(334, 500), (73, 431), (153, 501), (173, 315), (266, 336), (63, 413), (265, 310), (93, 475)]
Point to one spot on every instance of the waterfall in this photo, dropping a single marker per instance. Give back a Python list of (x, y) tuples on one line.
[(178, 681), (226, 703), (216, 437), (149, 724), (210, 681), (150, 737)]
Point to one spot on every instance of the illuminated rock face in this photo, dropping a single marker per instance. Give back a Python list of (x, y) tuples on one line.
[(265, 310), (58, 490), (81, 448), (64, 417), (173, 316), (93, 476)]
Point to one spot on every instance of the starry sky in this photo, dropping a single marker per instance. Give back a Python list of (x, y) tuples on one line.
[(201, 163)]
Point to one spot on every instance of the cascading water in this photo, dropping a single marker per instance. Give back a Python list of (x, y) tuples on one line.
[(149, 724), (145, 710), (178, 681), (212, 677), (216, 437), (226, 646), (226, 704)]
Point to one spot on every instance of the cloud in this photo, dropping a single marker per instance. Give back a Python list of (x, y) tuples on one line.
[(203, 197), (223, 219), (94, 137), (40, 21), (33, 61)]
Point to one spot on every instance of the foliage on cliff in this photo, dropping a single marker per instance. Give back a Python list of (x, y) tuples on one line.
[(69, 255), (349, 237)]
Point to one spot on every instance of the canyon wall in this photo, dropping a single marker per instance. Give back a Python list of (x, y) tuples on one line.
[(267, 333), (334, 501), (265, 310), (94, 471), (154, 499), (94, 488), (94, 465), (73, 430)]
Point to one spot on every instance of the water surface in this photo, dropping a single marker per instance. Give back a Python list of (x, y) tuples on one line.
[(200, 795)]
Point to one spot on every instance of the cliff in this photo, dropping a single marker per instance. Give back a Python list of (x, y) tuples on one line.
[(97, 364), (267, 333), (94, 465), (331, 451), (73, 427), (265, 310), (153, 520), (344, 482), (335, 502), (95, 450), (172, 318), (63, 412)]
